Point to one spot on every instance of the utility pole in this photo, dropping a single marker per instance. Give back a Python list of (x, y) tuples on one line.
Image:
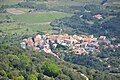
[(60, 31), (61, 28)]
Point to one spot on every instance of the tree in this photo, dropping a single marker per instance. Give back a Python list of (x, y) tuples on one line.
[(50, 68), (62, 77), (19, 78), (2, 73), (40, 76), (33, 77)]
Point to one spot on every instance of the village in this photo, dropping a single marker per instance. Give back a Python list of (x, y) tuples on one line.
[(78, 44)]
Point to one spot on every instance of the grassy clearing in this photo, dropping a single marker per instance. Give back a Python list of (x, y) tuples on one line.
[(39, 17), (41, 27), (13, 28), (20, 29), (24, 9), (2, 17), (30, 23)]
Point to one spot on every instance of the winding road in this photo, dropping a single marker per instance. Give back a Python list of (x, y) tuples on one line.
[(84, 76), (55, 55)]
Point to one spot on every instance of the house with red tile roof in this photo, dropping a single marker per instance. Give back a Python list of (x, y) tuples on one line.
[(30, 42), (78, 44), (79, 51), (98, 16)]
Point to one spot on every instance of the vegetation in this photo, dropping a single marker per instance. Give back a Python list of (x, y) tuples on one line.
[(48, 16), (16, 63), (51, 69), (87, 23), (26, 24), (39, 17)]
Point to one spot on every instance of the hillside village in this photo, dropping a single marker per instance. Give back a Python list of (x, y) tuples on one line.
[(77, 44), (59, 39)]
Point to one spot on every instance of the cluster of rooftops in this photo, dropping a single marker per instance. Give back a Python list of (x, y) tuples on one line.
[(77, 44)]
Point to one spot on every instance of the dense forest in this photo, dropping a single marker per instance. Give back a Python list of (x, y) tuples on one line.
[(84, 20), (19, 64)]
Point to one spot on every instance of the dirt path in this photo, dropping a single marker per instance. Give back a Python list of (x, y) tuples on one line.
[(42, 23), (83, 75), (55, 55), (14, 11)]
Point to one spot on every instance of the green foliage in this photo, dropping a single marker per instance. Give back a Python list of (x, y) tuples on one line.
[(86, 22), (2, 73), (25, 59), (33, 77), (40, 76), (30, 65), (2, 10), (51, 69), (62, 77), (19, 78), (19, 64), (71, 73), (39, 17)]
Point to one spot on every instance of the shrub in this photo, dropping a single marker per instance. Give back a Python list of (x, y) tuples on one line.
[(51, 69), (33, 77)]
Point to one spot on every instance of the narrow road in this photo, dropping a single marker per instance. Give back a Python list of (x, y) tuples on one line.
[(84, 76), (41, 23), (55, 55)]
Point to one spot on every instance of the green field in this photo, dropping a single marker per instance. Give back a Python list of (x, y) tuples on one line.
[(2, 17), (40, 27), (20, 29), (39, 17), (24, 9), (30, 23)]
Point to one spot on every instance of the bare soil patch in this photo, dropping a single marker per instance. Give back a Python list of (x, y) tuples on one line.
[(14, 11)]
